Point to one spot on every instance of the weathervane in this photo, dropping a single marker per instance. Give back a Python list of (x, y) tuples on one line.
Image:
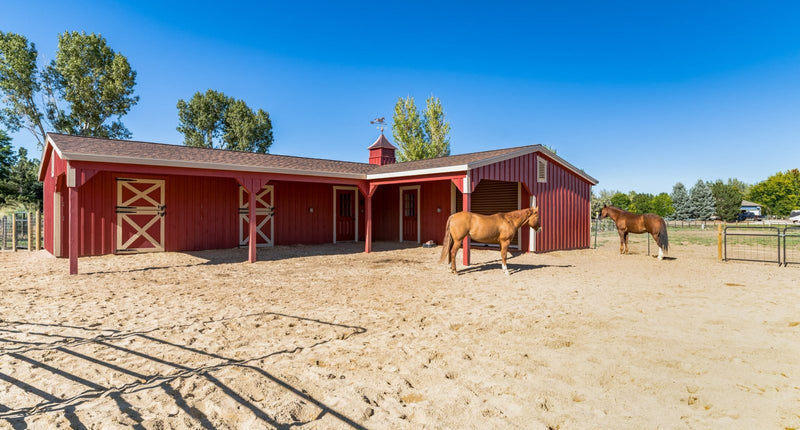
[(381, 122)]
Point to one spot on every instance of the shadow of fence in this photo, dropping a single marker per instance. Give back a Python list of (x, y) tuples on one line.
[(115, 344)]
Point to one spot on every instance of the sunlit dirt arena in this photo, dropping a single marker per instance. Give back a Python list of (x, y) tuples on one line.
[(329, 337)]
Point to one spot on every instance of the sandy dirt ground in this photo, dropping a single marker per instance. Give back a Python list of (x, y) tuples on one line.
[(328, 337)]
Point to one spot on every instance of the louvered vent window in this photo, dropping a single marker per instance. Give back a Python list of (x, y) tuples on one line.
[(541, 170)]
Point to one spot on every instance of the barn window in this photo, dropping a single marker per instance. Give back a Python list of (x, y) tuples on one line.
[(345, 205), (409, 206), (541, 170)]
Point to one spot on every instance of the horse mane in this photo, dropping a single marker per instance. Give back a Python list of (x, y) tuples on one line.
[(519, 215)]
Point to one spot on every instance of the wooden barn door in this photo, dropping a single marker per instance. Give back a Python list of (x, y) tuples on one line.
[(345, 214), (265, 211), (409, 213), (140, 215)]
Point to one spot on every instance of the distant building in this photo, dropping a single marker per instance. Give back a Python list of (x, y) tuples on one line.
[(754, 208)]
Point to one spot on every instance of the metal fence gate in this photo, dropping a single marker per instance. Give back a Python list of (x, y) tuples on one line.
[(763, 244), (791, 245)]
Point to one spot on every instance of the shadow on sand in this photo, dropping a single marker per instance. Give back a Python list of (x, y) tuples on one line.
[(22, 351)]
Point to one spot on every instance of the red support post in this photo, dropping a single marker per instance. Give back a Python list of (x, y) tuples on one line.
[(251, 209), (467, 205), (74, 234), (368, 223)]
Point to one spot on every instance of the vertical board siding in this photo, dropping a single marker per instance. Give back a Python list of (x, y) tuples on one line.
[(294, 223), (386, 213), (563, 200), (434, 210), (202, 212)]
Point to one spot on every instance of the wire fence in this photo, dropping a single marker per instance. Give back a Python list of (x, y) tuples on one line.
[(21, 231)]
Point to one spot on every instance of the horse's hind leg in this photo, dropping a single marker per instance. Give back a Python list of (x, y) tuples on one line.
[(660, 251), (622, 242), (503, 253), (453, 252), (626, 242)]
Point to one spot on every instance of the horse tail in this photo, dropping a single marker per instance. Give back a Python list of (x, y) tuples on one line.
[(663, 240), (447, 242)]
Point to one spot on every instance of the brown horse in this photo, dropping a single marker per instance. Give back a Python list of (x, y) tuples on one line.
[(635, 223), (498, 228)]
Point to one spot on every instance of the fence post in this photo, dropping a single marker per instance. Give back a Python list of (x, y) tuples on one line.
[(3, 240), (30, 236), (596, 227), (38, 230), (719, 242), (14, 231)]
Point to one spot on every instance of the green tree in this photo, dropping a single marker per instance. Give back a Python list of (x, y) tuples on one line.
[(641, 203), (22, 185), (621, 201), (7, 158), (727, 198), (661, 205), (780, 193), (701, 202), (245, 130), (82, 91), (418, 137), (214, 120), (20, 86), (602, 198), (436, 128), (680, 202), (97, 84)]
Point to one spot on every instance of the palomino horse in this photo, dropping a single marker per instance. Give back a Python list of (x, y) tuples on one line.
[(633, 223), (498, 228)]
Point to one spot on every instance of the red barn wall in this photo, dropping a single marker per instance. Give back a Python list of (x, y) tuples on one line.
[(55, 180), (434, 195), (386, 213), (564, 207), (563, 200), (294, 224), (202, 213)]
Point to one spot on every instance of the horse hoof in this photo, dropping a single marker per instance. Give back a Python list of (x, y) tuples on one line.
[(506, 272)]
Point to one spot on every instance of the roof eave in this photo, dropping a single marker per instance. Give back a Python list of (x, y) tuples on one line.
[(419, 172), (200, 165)]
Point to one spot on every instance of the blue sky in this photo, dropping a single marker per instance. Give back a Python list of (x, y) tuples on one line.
[(639, 94)]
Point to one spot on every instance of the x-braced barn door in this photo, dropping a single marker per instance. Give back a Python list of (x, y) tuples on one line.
[(140, 215), (265, 209)]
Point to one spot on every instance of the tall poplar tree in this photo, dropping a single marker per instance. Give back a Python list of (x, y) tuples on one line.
[(85, 90), (418, 137)]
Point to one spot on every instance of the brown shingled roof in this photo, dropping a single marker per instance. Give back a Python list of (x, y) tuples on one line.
[(451, 160), (148, 153), (135, 152)]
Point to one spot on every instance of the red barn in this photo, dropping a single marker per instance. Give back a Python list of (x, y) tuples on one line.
[(105, 196)]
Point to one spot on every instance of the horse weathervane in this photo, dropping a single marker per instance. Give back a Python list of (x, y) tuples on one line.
[(381, 122)]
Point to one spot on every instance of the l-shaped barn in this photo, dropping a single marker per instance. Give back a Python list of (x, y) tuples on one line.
[(105, 196)]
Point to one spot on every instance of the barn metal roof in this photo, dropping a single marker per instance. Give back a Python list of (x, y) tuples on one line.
[(82, 148)]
